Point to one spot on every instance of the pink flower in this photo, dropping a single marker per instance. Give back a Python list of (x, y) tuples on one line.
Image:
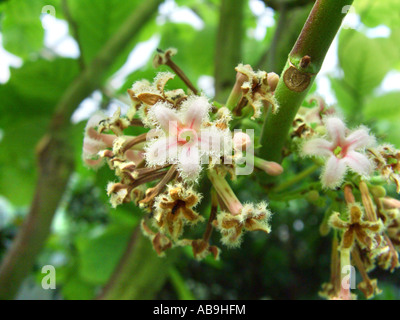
[(95, 142), (185, 136), (340, 150)]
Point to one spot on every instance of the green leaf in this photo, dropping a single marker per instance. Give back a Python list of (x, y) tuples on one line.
[(195, 48), (28, 101), (22, 29), (363, 60), (100, 254), (98, 21), (384, 107), (374, 13), (77, 289), (180, 286), (384, 112), (346, 95), (34, 89)]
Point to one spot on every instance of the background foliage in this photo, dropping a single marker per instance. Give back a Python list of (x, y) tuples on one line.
[(88, 237)]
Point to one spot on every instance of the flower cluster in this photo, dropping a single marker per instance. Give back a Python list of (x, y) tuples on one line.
[(183, 139), (366, 230), (183, 134)]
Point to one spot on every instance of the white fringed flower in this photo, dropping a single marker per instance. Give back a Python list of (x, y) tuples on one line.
[(343, 149), (185, 137)]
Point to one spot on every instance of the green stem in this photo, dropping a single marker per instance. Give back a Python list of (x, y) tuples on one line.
[(345, 274), (179, 284), (305, 61), (297, 178), (225, 192), (56, 158)]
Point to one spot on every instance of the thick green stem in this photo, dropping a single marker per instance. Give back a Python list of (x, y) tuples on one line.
[(55, 157), (305, 61), (228, 46)]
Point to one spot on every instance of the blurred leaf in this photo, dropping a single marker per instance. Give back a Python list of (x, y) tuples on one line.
[(384, 107), (346, 96), (21, 27), (182, 290), (99, 255), (77, 289), (35, 88), (195, 48), (384, 112), (28, 100), (363, 60), (97, 21), (374, 13)]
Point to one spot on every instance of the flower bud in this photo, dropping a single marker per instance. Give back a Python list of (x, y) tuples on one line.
[(271, 168), (312, 196), (378, 191), (241, 141), (273, 80)]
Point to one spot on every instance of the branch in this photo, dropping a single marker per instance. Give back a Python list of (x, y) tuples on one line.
[(55, 157), (305, 61), (228, 46), (289, 25), (288, 4), (74, 31), (140, 272)]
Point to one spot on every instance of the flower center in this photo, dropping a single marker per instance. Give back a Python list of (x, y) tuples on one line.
[(187, 135), (338, 152)]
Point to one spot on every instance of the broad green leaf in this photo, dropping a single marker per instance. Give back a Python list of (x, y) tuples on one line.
[(384, 107), (98, 21), (345, 95), (363, 60), (374, 13), (383, 112), (195, 48), (21, 27), (77, 289), (34, 89), (27, 104), (181, 288), (99, 255)]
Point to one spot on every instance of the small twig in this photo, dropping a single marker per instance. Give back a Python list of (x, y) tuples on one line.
[(181, 75), (75, 31), (139, 139), (170, 175), (213, 214)]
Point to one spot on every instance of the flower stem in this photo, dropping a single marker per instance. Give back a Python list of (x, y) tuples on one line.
[(345, 271), (225, 192), (297, 178)]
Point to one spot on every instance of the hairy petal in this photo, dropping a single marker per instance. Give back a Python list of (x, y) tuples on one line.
[(95, 119), (189, 161), (317, 147), (336, 130), (360, 139), (161, 151), (195, 112), (165, 117), (333, 173), (359, 163), (211, 141)]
